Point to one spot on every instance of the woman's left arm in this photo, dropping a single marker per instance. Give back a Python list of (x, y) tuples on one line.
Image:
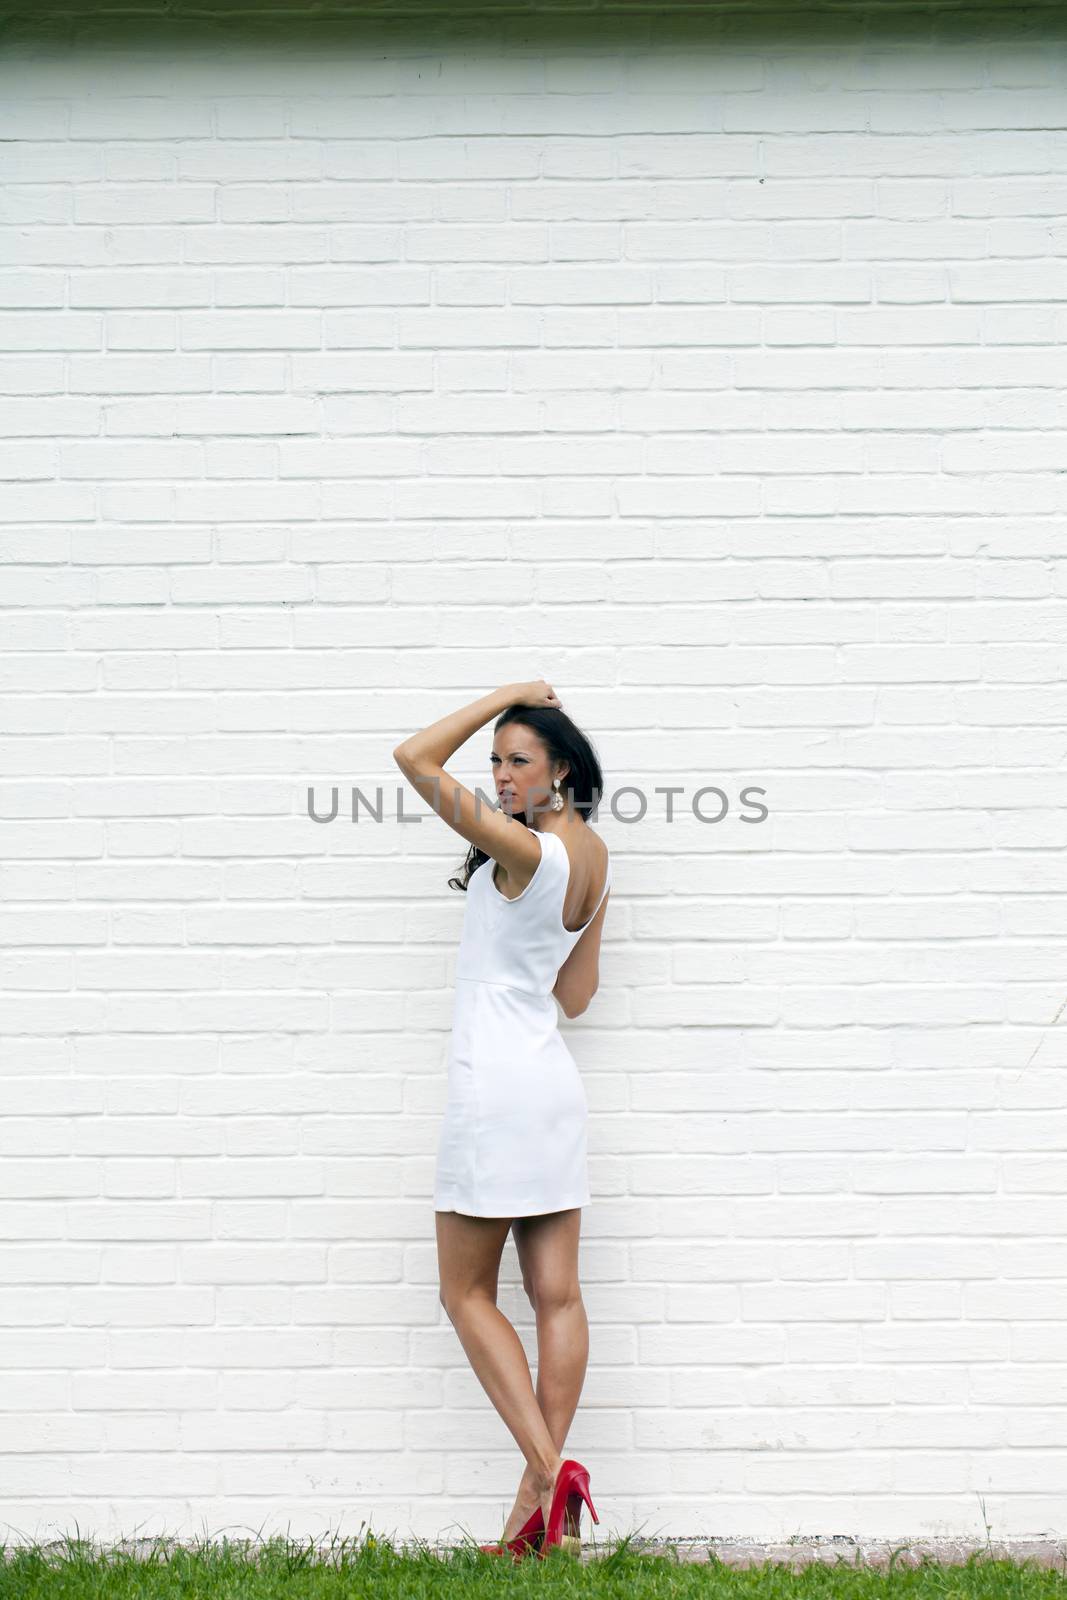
[(421, 759), (579, 977)]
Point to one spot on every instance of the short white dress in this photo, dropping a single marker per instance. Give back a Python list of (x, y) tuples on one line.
[(513, 1137)]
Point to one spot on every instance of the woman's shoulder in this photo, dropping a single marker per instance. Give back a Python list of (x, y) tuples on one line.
[(590, 850)]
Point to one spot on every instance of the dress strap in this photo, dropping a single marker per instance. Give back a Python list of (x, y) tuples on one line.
[(607, 886)]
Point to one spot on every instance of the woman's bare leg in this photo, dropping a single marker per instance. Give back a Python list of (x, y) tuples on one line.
[(468, 1253), (547, 1248)]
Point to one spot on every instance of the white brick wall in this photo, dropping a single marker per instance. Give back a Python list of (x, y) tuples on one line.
[(717, 371)]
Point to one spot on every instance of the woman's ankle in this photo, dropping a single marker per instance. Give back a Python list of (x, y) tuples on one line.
[(544, 1480)]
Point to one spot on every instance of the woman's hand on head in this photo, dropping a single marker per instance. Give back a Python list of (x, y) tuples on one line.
[(536, 693)]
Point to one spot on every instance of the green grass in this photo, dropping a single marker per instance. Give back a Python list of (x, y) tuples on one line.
[(284, 1569)]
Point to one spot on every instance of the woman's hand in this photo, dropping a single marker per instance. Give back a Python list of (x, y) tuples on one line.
[(536, 693)]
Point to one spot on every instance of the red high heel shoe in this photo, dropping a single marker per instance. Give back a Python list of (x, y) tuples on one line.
[(563, 1527), (528, 1538)]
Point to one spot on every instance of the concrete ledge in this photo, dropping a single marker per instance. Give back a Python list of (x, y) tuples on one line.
[(831, 1549)]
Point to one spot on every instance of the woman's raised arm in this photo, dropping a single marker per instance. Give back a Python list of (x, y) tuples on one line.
[(421, 759)]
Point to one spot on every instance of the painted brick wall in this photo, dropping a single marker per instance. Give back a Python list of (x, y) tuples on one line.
[(714, 368)]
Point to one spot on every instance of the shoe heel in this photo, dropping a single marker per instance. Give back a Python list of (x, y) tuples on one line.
[(582, 1486)]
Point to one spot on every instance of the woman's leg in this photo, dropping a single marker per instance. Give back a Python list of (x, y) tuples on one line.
[(468, 1253), (547, 1248)]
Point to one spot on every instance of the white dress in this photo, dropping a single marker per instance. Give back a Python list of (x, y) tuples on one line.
[(513, 1138)]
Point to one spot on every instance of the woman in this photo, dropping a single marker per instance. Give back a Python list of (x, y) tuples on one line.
[(512, 1149)]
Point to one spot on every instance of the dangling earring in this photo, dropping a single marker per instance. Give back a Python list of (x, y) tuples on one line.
[(557, 798)]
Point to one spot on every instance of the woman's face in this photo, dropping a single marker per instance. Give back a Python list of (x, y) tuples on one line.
[(522, 772)]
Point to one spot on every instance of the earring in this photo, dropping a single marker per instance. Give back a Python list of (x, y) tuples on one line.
[(557, 798)]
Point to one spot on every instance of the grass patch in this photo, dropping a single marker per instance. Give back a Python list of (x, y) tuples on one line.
[(347, 1569)]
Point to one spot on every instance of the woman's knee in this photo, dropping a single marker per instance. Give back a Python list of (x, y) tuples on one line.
[(551, 1295), (457, 1299), (452, 1300)]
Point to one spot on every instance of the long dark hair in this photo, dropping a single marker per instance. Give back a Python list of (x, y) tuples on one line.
[(583, 786)]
